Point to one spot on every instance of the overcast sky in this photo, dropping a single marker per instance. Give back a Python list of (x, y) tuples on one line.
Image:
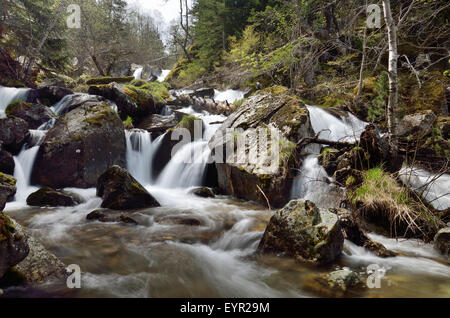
[(169, 9)]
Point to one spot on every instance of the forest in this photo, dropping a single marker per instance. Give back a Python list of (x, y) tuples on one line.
[(247, 148)]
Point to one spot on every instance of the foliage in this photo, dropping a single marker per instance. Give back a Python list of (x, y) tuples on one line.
[(379, 102)]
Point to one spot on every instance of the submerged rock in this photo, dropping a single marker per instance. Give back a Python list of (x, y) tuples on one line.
[(34, 114), (261, 169), (442, 241), (50, 197), (80, 147), (13, 133), (303, 231), (13, 243), (339, 283), (106, 216), (7, 189), (203, 192), (120, 191)]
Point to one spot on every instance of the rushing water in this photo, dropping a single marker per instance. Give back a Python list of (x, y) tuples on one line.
[(196, 247), (229, 95), (138, 73)]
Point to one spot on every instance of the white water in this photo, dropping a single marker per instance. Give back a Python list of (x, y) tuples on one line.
[(229, 95), (138, 73), (140, 154), (335, 129), (10, 94), (436, 189), (163, 75)]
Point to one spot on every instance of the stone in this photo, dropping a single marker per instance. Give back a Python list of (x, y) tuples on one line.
[(7, 189), (340, 283), (82, 144), (6, 162), (48, 95), (157, 124), (50, 197), (420, 123), (13, 133), (120, 191), (442, 241), (305, 232), (34, 114), (203, 192)]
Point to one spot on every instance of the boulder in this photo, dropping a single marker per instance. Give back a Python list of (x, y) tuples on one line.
[(105, 217), (151, 72), (6, 162), (420, 123), (340, 283), (13, 243), (120, 191), (50, 197), (109, 80), (117, 93), (7, 189), (13, 133), (48, 95), (80, 147), (34, 114), (204, 92), (442, 241), (157, 123), (41, 266), (248, 173), (76, 100), (305, 232)]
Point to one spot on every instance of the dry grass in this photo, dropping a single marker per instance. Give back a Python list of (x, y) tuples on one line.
[(384, 202)]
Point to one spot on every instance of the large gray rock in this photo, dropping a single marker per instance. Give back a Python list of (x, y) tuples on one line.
[(120, 191), (34, 114), (13, 243), (442, 241), (305, 232), (70, 102), (157, 123), (340, 283), (13, 133), (286, 120), (420, 123), (80, 147), (7, 189)]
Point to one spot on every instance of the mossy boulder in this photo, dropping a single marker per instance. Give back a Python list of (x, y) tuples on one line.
[(305, 232), (76, 100), (7, 189), (47, 196), (82, 144), (34, 114), (120, 191), (340, 283), (48, 95), (284, 119), (13, 243), (13, 133)]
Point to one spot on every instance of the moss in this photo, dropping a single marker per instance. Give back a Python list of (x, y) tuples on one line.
[(7, 227), (350, 181), (276, 90), (77, 137), (15, 106), (102, 113), (148, 93), (4, 178), (108, 80)]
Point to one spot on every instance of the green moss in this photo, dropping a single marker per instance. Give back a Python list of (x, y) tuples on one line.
[(108, 80), (148, 93), (15, 106), (4, 178), (7, 227)]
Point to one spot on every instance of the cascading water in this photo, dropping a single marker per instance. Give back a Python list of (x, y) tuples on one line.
[(138, 73), (140, 153), (163, 75), (229, 95), (10, 94)]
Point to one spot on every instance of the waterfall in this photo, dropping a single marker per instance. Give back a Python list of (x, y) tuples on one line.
[(24, 163), (229, 95), (434, 188), (347, 128), (140, 154), (163, 75), (10, 94), (138, 73)]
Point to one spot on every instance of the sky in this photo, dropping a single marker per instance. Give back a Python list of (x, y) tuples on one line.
[(169, 9)]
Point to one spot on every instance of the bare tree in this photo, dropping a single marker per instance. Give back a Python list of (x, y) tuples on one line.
[(184, 23)]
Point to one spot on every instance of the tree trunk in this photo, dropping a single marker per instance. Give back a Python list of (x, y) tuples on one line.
[(363, 61), (393, 78)]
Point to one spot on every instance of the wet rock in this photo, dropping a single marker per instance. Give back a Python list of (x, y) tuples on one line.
[(272, 112), (180, 220), (115, 92), (41, 266), (13, 243), (13, 133), (120, 191), (6, 161), (107, 216), (204, 92), (7, 189), (341, 283), (354, 233), (50, 197), (34, 114), (328, 159), (80, 147), (203, 192), (420, 123), (442, 241), (303, 231), (48, 95), (76, 100), (157, 123), (109, 80)]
